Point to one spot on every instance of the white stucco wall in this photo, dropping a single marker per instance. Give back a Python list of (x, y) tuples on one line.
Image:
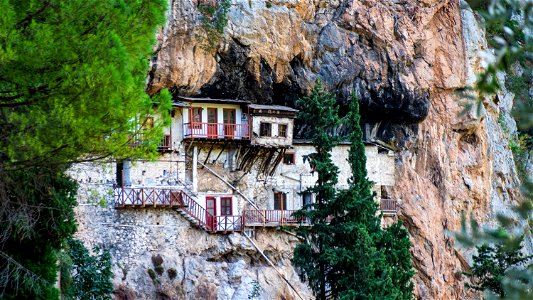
[(273, 140)]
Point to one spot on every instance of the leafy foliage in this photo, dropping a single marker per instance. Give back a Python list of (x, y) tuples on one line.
[(63, 66), (89, 274), (491, 264), (347, 255), (72, 87)]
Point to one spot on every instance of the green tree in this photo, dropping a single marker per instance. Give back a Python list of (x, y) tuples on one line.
[(321, 109), (347, 255), (492, 263), (34, 231), (72, 88), (72, 79), (86, 276)]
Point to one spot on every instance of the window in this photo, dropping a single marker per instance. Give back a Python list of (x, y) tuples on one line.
[(225, 206), (280, 201), (282, 130), (307, 198), (288, 158), (196, 117), (384, 193), (265, 129)]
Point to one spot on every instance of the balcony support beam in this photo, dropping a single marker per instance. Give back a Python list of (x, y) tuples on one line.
[(195, 169)]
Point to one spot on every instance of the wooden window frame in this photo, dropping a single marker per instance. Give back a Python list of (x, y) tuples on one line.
[(286, 127), (224, 206), (197, 125), (280, 204), (262, 130)]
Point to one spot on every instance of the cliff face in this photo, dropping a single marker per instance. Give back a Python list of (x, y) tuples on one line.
[(406, 60)]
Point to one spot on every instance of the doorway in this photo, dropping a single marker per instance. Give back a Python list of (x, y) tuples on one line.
[(210, 211), (212, 123), (229, 122)]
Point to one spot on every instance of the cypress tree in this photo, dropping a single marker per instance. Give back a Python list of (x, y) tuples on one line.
[(320, 111), (347, 255)]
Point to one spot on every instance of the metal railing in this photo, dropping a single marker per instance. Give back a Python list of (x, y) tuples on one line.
[(217, 131), (147, 197), (229, 223), (272, 217)]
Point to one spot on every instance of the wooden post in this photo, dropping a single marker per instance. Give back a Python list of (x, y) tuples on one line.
[(142, 197), (154, 197), (195, 169)]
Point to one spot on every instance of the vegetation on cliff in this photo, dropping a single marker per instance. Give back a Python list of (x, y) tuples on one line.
[(72, 87), (492, 262), (512, 44), (347, 255)]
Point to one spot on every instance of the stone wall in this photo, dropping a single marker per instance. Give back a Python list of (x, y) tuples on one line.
[(206, 266)]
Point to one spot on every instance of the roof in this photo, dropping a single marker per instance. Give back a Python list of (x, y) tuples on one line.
[(342, 142), (273, 107), (210, 100)]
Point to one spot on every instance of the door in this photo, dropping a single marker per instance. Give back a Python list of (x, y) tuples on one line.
[(212, 123), (210, 211), (229, 122)]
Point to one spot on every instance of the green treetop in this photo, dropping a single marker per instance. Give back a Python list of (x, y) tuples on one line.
[(72, 78), (72, 87), (347, 255)]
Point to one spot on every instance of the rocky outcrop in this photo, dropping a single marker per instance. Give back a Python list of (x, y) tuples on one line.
[(406, 60)]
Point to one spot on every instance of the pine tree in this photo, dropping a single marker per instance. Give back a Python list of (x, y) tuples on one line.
[(320, 111), (72, 79), (72, 88), (347, 254), (492, 262)]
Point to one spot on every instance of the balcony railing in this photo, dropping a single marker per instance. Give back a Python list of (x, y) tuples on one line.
[(389, 207), (272, 218), (217, 131), (228, 223), (147, 197), (166, 143), (137, 140)]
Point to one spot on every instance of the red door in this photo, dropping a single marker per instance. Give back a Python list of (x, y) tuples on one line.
[(210, 211), (212, 123), (229, 122)]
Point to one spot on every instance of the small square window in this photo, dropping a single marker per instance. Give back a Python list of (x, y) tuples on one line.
[(225, 206), (288, 158), (282, 130), (265, 129)]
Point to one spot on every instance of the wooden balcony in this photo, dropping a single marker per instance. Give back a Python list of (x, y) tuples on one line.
[(214, 131), (389, 207), (166, 143), (148, 197)]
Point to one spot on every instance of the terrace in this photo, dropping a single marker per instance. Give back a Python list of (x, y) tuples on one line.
[(195, 213)]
